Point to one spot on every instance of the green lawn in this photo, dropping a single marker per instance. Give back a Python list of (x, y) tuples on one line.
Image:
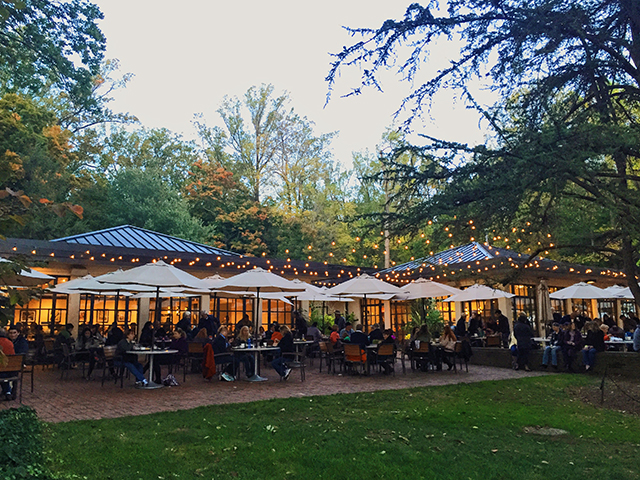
[(474, 431)]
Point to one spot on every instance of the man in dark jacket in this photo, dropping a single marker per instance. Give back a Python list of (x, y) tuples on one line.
[(20, 344), (524, 335), (359, 338), (221, 346), (503, 327), (340, 321)]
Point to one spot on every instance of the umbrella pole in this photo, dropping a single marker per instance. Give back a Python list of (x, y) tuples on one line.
[(255, 319), (156, 313), (115, 312)]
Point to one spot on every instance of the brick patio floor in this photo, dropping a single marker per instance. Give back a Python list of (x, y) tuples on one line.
[(74, 398)]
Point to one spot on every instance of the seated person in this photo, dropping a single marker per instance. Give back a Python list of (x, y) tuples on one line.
[(146, 335), (384, 360), (358, 337), (201, 336), (178, 342), (6, 346), (422, 336), (616, 331), (571, 344), (286, 349), (314, 331), (221, 347), (605, 329), (86, 347), (346, 332), (276, 336), (447, 346), (20, 344), (130, 360), (375, 333), (636, 339), (115, 334), (64, 337), (246, 359), (554, 345), (244, 322), (593, 343)]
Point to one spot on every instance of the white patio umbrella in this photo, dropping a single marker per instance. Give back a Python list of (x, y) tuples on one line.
[(23, 278), (581, 290), (67, 287), (617, 291), (479, 292), (157, 275), (364, 286), (259, 280), (423, 288)]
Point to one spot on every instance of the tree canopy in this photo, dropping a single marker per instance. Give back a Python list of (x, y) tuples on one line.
[(48, 45), (566, 126)]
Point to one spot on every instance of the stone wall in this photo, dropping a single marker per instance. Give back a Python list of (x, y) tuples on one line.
[(626, 364)]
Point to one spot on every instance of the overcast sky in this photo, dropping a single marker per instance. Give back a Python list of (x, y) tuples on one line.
[(187, 55)]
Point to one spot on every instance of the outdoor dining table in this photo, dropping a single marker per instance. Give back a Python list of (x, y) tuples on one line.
[(628, 344), (255, 350), (147, 351)]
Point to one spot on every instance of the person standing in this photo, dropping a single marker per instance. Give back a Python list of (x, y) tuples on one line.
[(524, 335), (502, 323), (340, 321)]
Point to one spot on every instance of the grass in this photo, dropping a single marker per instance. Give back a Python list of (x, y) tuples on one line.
[(474, 431)]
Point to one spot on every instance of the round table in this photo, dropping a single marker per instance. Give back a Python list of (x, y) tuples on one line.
[(257, 349), (147, 351)]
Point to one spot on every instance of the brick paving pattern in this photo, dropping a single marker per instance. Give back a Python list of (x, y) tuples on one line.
[(75, 398)]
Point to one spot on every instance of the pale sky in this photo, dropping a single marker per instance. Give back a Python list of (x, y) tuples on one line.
[(187, 55)]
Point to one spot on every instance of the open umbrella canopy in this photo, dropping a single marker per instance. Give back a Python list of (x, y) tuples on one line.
[(364, 285), (619, 292), (260, 280), (67, 287), (320, 297), (479, 292), (158, 274), (580, 290), (21, 278), (93, 285), (213, 281), (308, 288), (423, 288)]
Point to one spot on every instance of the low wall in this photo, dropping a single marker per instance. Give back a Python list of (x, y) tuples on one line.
[(626, 364)]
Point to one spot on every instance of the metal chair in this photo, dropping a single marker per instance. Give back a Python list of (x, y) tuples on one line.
[(108, 360), (30, 365), (68, 358), (353, 356), (194, 357), (386, 354), (423, 352), (297, 362)]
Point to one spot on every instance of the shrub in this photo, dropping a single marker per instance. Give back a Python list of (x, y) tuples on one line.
[(21, 455)]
